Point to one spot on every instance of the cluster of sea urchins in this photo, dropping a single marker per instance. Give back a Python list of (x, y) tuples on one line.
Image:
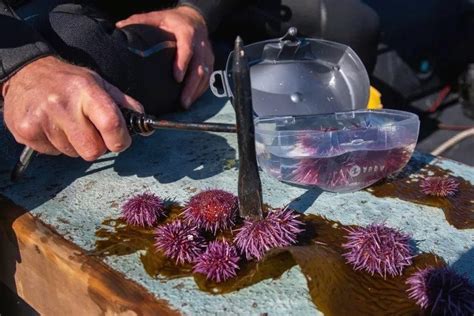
[(382, 250), (211, 212), (378, 249), (441, 291)]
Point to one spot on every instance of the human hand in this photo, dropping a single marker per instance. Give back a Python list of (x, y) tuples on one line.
[(55, 107), (194, 57)]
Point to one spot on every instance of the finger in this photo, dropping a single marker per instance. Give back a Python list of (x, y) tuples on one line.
[(85, 139), (204, 53), (105, 115), (44, 149), (184, 53), (32, 135), (140, 19), (203, 86), (122, 99), (58, 139), (205, 82), (193, 81)]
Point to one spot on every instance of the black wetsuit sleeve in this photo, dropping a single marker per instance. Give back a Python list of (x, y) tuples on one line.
[(19, 45), (214, 11)]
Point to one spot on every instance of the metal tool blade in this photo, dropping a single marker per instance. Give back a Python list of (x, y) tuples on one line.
[(25, 158), (249, 184)]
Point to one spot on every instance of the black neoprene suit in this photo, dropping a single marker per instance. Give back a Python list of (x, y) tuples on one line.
[(83, 32)]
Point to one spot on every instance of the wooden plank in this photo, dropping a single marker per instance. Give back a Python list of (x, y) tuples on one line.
[(55, 277)]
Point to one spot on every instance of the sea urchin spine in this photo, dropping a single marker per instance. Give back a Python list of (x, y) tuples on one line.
[(439, 186), (212, 210), (442, 291), (378, 249), (143, 210), (179, 241), (219, 262), (278, 229)]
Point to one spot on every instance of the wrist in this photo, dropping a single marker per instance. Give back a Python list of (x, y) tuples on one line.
[(23, 71)]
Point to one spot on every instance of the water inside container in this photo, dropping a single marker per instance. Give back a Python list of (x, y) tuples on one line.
[(350, 171)]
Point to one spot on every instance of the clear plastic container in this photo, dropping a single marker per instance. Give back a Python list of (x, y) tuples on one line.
[(300, 76), (338, 152)]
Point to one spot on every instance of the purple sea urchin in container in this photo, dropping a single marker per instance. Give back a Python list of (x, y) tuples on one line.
[(219, 262), (212, 210), (378, 249), (143, 210), (179, 241), (439, 186), (349, 171), (442, 291), (338, 152), (278, 229)]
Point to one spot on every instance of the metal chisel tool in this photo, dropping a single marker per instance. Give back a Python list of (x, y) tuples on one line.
[(250, 186)]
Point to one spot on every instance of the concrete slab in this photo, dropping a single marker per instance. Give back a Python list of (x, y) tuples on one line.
[(75, 197)]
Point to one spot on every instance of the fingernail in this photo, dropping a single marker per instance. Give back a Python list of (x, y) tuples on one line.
[(118, 24)]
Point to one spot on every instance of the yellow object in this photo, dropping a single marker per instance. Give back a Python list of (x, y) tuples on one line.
[(375, 100)]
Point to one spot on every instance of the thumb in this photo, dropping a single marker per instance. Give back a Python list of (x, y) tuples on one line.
[(145, 18)]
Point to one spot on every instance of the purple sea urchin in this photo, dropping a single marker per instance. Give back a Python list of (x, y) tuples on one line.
[(179, 241), (418, 287), (143, 210), (442, 291), (219, 262), (308, 171), (306, 144), (439, 186), (278, 229), (212, 210), (378, 249)]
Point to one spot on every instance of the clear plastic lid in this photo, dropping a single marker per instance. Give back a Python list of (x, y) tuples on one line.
[(301, 76), (338, 152)]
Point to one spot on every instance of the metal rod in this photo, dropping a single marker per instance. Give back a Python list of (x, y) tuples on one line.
[(26, 156), (249, 184), (207, 127), (144, 124)]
